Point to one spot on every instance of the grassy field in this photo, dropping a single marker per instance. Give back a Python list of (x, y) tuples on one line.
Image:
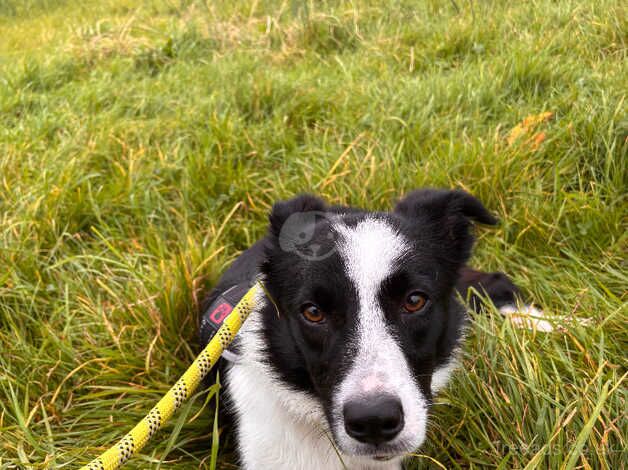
[(142, 144)]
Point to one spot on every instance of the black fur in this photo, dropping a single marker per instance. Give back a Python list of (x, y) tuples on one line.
[(299, 265)]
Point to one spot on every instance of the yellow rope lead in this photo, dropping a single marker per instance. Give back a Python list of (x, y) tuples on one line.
[(135, 440)]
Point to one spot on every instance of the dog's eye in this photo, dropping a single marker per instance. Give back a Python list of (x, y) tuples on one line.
[(312, 313), (415, 302)]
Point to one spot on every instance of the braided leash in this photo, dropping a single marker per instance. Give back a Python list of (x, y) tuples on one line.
[(137, 438)]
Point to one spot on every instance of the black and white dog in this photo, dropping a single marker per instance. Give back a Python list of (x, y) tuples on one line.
[(358, 329)]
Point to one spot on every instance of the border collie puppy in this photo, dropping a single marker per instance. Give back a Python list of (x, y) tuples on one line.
[(357, 329)]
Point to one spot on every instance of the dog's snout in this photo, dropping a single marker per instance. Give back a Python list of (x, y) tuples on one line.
[(373, 420)]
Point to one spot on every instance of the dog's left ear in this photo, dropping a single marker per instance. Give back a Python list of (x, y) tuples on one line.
[(449, 213), (439, 203)]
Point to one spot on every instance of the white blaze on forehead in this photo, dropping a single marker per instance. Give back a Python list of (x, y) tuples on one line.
[(370, 251)]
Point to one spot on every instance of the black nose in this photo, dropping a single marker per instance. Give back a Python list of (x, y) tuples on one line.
[(373, 420)]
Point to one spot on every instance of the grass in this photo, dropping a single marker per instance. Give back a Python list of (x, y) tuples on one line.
[(142, 144)]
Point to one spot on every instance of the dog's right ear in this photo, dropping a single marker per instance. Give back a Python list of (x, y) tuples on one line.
[(284, 209)]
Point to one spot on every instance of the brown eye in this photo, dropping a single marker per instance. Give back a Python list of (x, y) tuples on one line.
[(415, 301), (312, 313)]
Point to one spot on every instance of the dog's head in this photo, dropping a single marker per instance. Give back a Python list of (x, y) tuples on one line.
[(365, 310)]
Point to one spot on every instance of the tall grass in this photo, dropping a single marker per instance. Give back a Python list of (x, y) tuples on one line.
[(142, 144)]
